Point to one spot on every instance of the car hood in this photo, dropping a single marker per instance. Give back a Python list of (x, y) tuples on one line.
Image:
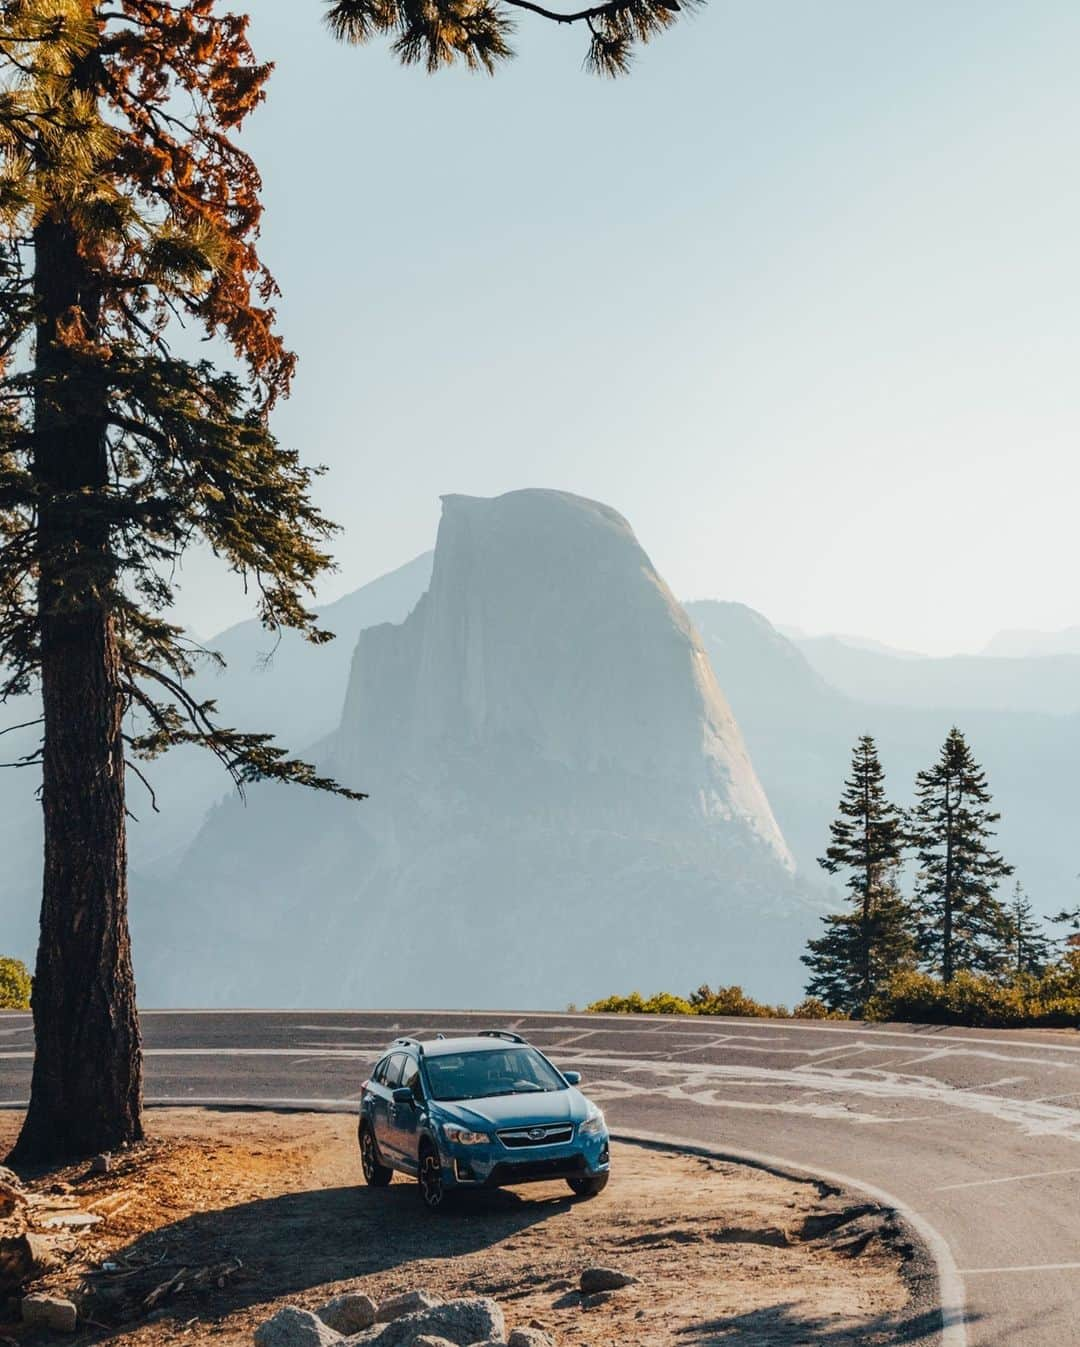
[(508, 1110)]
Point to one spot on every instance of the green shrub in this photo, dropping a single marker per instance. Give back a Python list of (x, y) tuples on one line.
[(705, 1001), (813, 1009), (1050, 1001), (733, 1001), (663, 1003), (15, 984)]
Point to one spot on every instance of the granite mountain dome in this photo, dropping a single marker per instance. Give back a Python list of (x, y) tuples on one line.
[(547, 631), (561, 801)]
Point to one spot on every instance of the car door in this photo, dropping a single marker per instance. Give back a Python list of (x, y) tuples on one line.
[(382, 1121), (404, 1118)]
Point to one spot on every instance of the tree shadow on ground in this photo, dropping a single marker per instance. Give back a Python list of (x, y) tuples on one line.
[(298, 1241), (786, 1325)]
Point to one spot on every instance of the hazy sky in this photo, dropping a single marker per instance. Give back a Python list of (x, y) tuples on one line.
[(799, 297)]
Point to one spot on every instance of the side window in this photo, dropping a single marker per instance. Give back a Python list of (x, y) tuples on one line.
[(393, 1071), (410, 1078), (379, 1074)]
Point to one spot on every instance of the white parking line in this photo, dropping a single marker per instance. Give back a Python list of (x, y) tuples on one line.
[(704, 1025), (1021, 1267), (1012, 1178)]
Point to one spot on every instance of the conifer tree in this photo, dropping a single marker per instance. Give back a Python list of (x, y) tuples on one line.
[(864, 945), (126, 208), (961, 922), (477, 32), (1070, 917), (1028, 947)]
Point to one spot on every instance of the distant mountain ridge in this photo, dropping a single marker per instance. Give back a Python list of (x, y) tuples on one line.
[(1049, 684), (800, 731), (1025, 643)]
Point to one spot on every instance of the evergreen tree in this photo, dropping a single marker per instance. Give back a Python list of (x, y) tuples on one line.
[(1070, 918), (1027, 945), (477, 32), (125, 209), (864, 945), (961, 922)]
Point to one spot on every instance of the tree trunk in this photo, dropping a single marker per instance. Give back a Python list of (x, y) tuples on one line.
[(947, 924), (87, 1087)]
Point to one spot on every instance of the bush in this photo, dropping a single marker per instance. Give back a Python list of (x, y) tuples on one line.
[(1050, 1001), (813, 1009), (705, 1001), (663, 1003), (15, 984), (733, 1001)]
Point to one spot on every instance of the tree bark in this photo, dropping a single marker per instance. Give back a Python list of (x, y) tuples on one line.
[(947, 925), (86, 1092)]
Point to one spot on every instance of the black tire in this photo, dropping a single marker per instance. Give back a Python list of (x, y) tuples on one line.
[(589, 1187), (429, 1179), (376, 1174)]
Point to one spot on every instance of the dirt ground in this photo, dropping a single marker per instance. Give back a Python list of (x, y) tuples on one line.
[(274, 1206)]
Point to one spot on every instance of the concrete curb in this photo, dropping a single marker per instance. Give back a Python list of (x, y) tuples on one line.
[(949, 1284)]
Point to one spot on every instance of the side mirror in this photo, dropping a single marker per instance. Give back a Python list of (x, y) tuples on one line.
[(572, 1077), (403, 1095)]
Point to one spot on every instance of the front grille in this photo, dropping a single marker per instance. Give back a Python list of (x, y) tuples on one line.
[(531, 1171), (518, 1137)]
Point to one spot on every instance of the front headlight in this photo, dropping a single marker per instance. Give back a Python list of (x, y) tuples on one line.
[(464, 1138), (593, 1124)]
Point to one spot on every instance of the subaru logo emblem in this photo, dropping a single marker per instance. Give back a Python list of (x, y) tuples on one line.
[(537, 1133)]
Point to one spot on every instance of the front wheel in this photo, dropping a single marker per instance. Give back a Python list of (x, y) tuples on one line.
[(430, 1178), (376, 1174), (589, 1187)]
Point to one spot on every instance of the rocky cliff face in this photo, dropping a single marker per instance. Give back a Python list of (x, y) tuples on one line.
[(548, 648), (561, 801)]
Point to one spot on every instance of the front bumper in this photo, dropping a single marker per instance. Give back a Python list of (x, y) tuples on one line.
[(498, 1166)]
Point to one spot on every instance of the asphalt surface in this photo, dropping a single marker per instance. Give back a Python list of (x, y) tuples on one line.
[(976, 1133)]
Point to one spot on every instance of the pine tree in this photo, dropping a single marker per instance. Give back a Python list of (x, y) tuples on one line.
[(125, 209), (1028, 947), (862, 947), (962, 924), (477, 32)]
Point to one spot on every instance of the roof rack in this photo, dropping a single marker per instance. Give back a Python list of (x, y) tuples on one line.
[(501, 1033)]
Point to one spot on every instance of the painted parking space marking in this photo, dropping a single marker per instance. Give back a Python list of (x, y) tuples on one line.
[(1010, 1178), (1020, 1267)]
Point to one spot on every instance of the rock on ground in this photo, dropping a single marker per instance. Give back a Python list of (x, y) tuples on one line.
[(12, 1193), (595, 1279), (293, 1327), (426, 1340), (23, 1257), (407, 1303), (529, 1337), (462, 1322), (41, 1311), (349, 1313)]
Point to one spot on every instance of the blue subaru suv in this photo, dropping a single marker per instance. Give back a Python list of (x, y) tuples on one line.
[(486, 1111)]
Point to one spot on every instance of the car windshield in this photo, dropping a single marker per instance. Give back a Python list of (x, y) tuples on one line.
[(479, 1075)]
